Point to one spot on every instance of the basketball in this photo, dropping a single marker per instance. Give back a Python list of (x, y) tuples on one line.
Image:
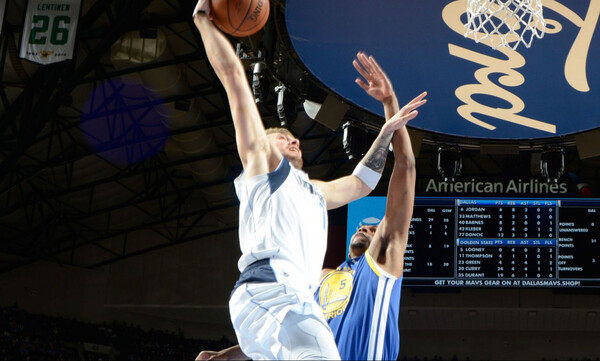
[(240, 17)]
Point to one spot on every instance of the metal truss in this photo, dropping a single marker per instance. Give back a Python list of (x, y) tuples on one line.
[(61, 200), (42, 150)]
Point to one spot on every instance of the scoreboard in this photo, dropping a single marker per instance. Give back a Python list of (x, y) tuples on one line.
[(497, 242)]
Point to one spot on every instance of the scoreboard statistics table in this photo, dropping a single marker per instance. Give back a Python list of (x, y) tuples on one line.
[(497, 242)]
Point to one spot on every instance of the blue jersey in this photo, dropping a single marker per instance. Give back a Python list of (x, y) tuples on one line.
[(361, 302)]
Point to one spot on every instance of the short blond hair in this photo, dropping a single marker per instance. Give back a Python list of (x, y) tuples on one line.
[(279, 130)]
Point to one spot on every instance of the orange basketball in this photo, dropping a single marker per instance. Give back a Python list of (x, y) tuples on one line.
[(240, 17)]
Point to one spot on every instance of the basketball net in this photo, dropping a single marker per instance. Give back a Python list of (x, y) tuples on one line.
[(505, 22)]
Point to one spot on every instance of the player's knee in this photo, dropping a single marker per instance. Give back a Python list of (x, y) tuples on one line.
[(309, 339)]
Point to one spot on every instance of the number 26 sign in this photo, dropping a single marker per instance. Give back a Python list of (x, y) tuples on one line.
[(49, 30)]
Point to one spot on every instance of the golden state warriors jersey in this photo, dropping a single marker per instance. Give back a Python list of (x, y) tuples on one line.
[(361, 303)]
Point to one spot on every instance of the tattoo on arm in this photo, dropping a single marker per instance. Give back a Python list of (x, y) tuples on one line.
[(377, 154)]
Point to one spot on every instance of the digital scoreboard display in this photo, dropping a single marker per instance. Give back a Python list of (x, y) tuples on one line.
[(496, 242)]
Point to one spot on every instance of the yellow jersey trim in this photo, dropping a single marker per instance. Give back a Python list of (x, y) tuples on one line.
[(377, 268), (371, 263)]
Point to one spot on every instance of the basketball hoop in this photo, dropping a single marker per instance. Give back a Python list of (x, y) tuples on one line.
[(505, 22)]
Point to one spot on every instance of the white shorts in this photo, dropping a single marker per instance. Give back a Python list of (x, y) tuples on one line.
[(272, 321)]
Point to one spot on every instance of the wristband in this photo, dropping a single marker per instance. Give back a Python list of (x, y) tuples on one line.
[(367, 175)]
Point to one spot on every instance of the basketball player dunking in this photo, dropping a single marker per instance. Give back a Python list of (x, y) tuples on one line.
[(283, 218), (364, 317)]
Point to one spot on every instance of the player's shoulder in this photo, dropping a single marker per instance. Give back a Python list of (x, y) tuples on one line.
[(349, 264)]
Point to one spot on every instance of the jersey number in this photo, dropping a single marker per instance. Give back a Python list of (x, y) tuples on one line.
[(58, 35)]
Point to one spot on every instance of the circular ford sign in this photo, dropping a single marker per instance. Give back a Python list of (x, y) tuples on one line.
[(548, 90)]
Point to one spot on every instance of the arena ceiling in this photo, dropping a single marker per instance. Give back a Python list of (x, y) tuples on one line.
[(129, 148)]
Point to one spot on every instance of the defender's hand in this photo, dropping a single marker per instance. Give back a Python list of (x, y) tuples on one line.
[(375, 83)]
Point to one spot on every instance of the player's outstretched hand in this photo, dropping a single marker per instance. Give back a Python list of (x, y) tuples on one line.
[(406, 114), (414, 104), (374, 81)]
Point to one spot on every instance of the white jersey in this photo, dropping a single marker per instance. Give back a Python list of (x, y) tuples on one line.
[(283, 216)]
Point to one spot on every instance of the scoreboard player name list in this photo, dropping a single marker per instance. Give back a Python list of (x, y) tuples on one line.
[(503, 243)]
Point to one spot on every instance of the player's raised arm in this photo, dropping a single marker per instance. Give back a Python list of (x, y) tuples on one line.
[(390, 240), (368, 172), (256, 153)]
